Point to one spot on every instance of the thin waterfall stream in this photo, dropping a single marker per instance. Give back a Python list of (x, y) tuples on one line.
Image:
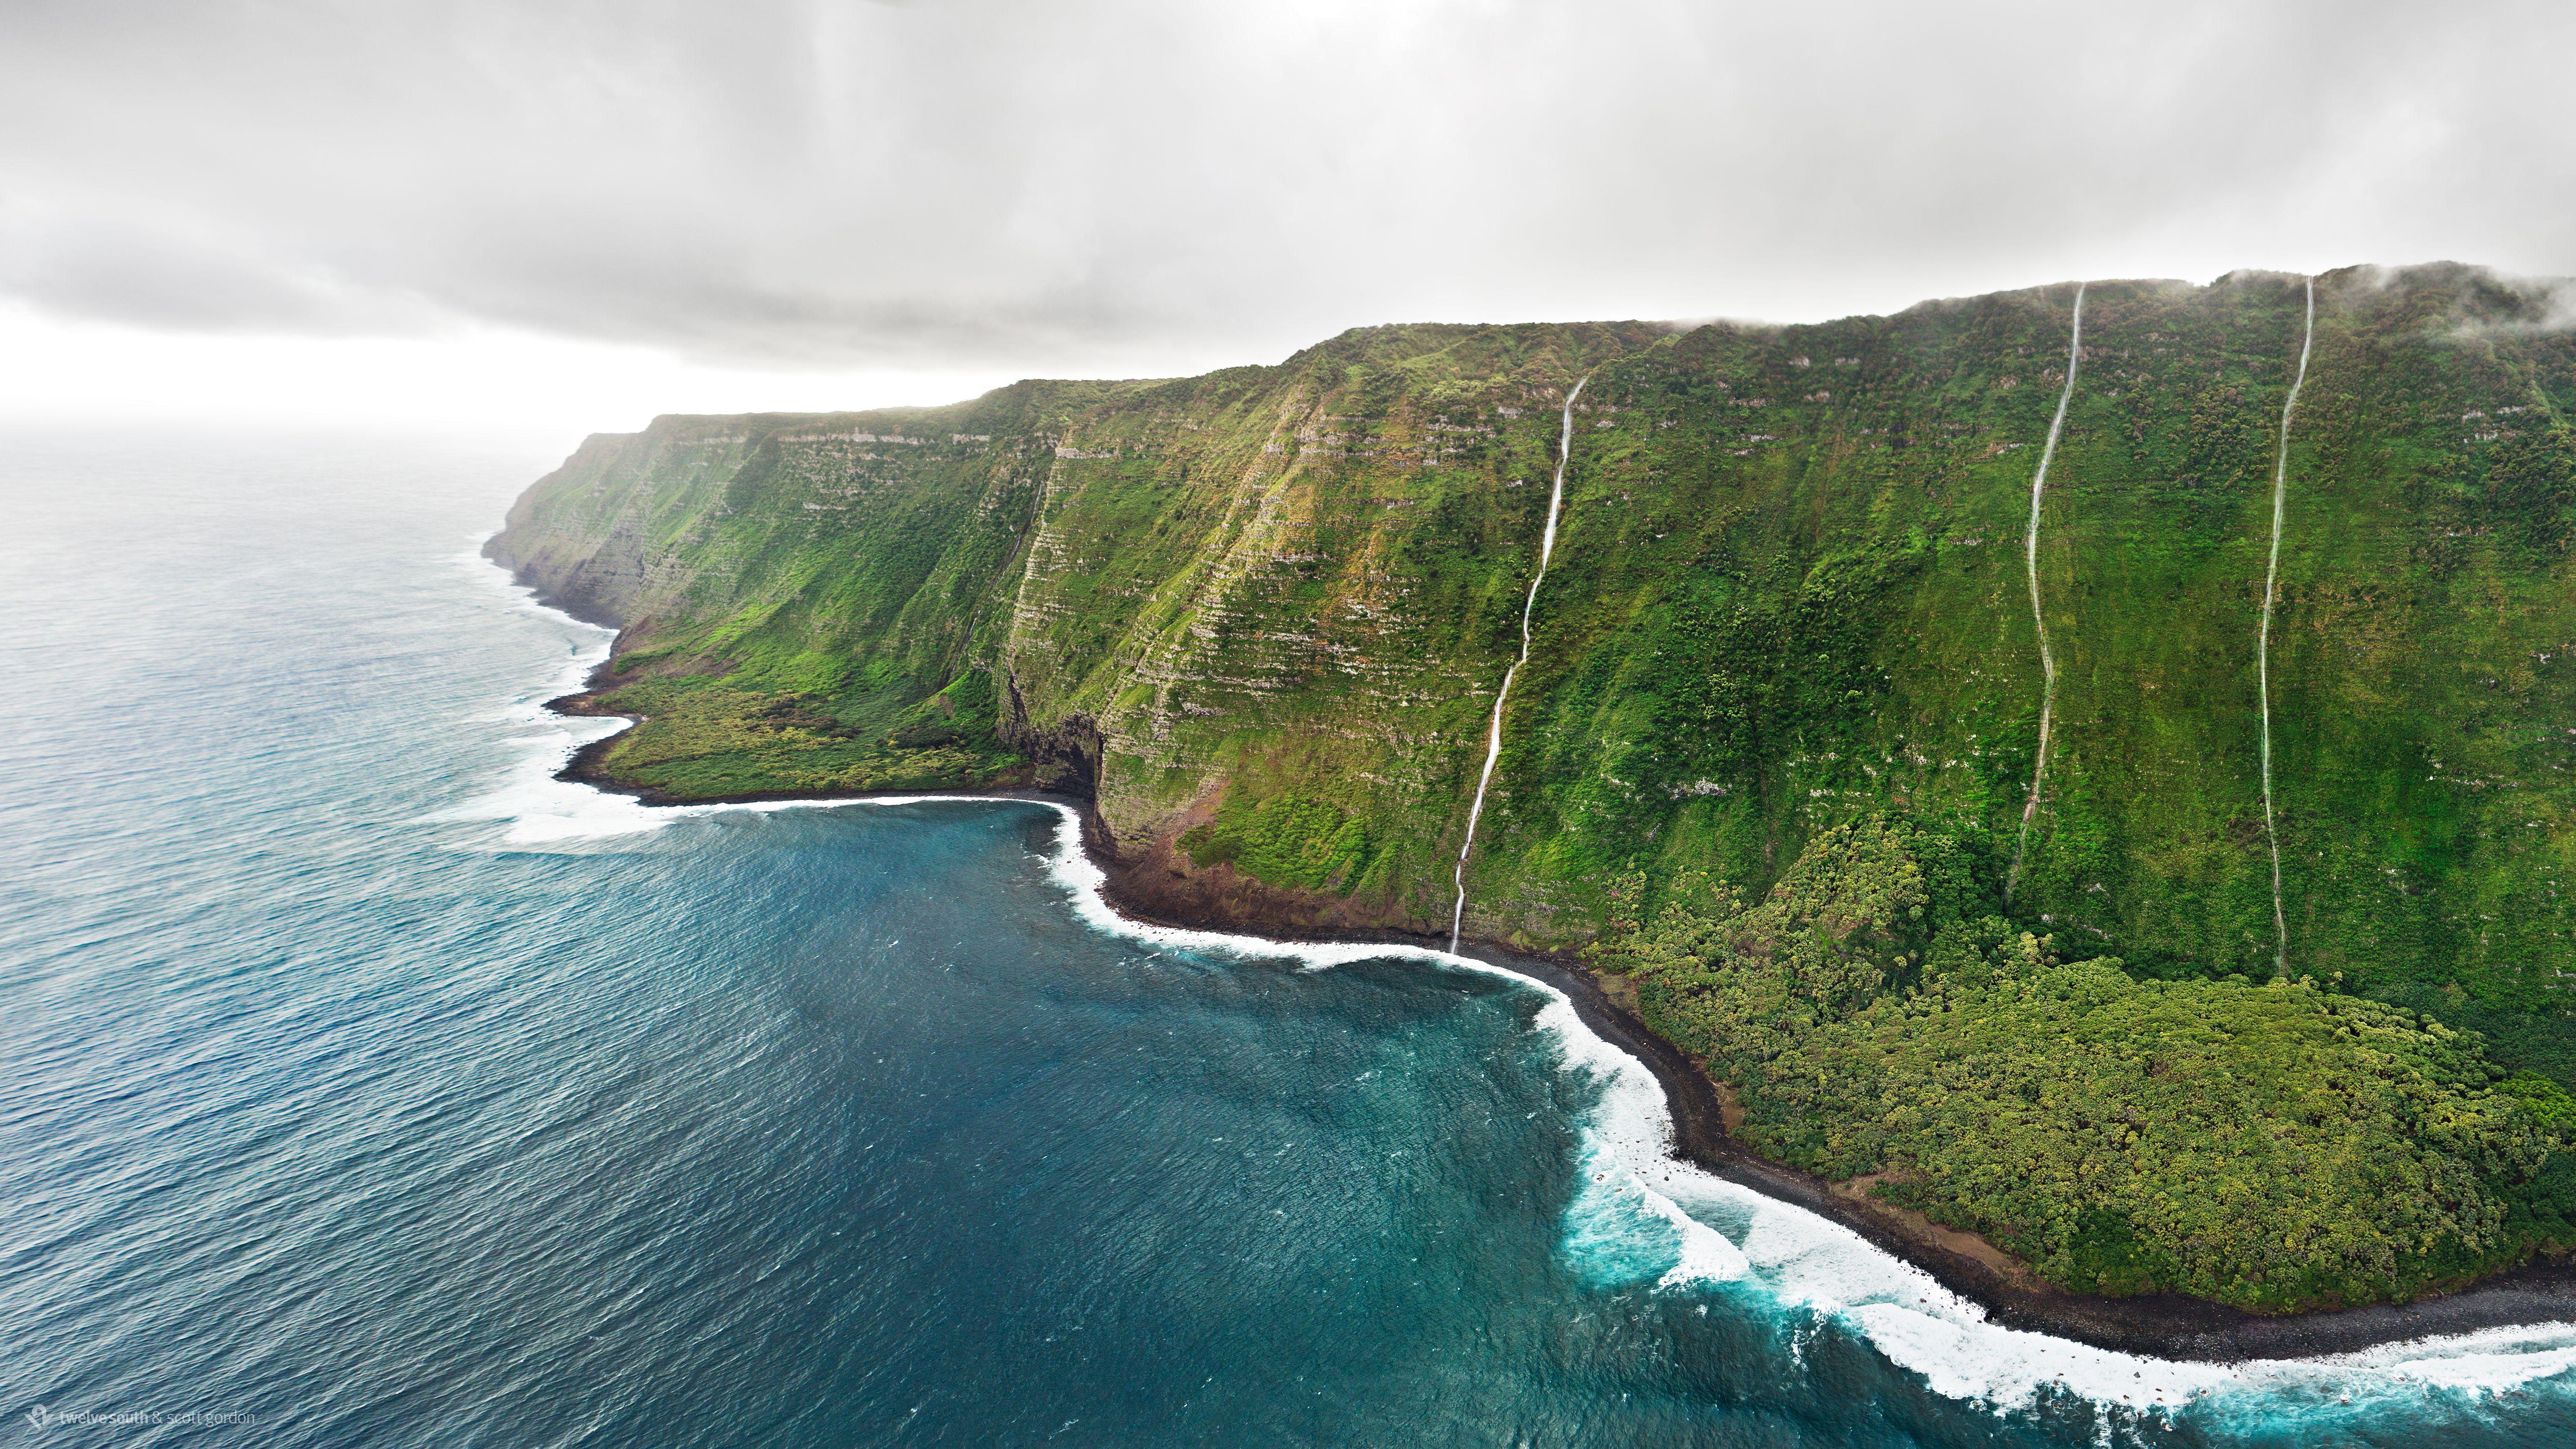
[(2038, 619), (1494, 731), (2263, 648)]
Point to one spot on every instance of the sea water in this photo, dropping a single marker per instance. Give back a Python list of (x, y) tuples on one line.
[(360, 1084)]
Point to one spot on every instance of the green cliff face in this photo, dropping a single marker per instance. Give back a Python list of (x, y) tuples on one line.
[(1261, 615), (1275, 603)]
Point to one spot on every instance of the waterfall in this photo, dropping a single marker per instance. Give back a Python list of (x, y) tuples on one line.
[(2030, 553), (2263, 647), (1494, 731)]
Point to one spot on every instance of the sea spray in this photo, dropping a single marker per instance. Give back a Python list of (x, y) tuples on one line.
[(2030, 556), (1494, 731), (2263, 645)]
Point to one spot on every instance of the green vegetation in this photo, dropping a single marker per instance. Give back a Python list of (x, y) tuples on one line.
[(2274, 1146), (1284, 840), (706, 740), (1262, 614)]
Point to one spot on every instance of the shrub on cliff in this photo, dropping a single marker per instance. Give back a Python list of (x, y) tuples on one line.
[(2269, 1146)]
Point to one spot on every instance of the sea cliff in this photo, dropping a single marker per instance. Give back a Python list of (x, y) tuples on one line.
[(1257, 619)]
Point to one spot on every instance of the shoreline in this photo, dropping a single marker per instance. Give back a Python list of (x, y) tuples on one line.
[(2167, 1326)]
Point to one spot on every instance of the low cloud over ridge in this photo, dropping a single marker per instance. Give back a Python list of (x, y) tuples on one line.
[(1126, 186)]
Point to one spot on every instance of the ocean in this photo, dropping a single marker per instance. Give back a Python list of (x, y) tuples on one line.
[(366, 1086)]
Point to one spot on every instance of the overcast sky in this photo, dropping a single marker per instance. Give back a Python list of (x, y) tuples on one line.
[(578, 214)]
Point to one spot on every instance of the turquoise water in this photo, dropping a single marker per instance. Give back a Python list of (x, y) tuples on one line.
[(363, 1086)]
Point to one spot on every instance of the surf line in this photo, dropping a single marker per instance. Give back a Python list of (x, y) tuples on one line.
[(2030, 555), (1494, 731), (2263, 646), (1976, 1362)]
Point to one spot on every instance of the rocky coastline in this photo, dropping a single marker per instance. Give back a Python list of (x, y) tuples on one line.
[(2162, 1325)]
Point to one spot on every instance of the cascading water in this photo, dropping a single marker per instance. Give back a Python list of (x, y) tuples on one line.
[(2263, 648), (2030, 553), (1494, 732)]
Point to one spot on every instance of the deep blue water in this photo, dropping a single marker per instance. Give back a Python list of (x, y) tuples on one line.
[(359, 1088)]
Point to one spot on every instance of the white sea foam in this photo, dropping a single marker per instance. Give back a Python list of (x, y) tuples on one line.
[(1687, 1229), (533, 806), (1629, 1168), (1632, 1181)]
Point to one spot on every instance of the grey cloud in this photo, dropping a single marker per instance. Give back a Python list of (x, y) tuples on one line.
[(163, 273), (1108, 186)]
